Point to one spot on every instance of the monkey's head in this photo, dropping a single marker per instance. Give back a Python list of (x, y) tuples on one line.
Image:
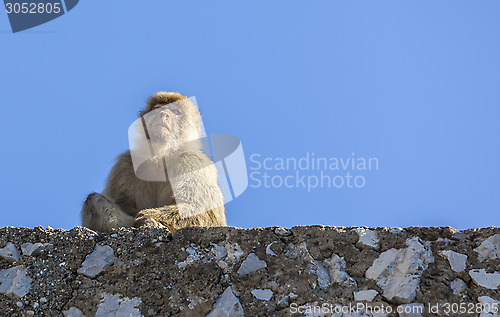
[(171, 120)]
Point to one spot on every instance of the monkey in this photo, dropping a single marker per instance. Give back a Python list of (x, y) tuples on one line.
[(188, 194)]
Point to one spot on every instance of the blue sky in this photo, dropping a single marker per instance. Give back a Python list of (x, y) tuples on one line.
[(414, 84)]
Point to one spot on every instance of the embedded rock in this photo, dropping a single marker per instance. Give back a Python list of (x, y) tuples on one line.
[(367, 238), (227, 305), (251, 264), (116, 306), (338, 272), (33, 249), (457, 260), (73, 312), (367, 295), (489, 248), (262, 294), (491, 307), (14, 282), (398, 272), (458, 286), (484, 279), (97, 261), (10, 253)]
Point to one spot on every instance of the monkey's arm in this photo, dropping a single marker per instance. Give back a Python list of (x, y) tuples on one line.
[(199, 200), (119, 184)]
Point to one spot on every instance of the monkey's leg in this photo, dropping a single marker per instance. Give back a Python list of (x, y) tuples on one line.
[(100, 213)]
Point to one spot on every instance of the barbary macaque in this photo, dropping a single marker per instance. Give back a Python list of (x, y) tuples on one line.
[(188, 194)]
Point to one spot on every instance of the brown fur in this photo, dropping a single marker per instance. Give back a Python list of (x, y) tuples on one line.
[(129, 201)]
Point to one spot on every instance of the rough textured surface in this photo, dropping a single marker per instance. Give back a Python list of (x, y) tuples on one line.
[(98, 261), (302, 271)]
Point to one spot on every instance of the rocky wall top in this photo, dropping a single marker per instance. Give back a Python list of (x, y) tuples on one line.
[(226, 271)]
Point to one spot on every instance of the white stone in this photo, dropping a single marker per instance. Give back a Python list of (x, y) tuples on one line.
[(305, 253), (116, 306), (218, 251), (458, 286), (14, 282), (73, 312), (268, 249), (284, 301), (251, 264), (193, 255), (457, 260), (31, 249), (487, 280), (397, 230), (398, 272), (489, 249), (227, 305), (367, 238), (10, 253), (98, 261), (262, 294), (491, 307), (299, 251), (282, 232), (366, 295), (338, 272), (234, 252), (323, 276), (411, 310)]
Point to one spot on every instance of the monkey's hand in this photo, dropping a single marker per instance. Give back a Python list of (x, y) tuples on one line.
[(168, 216), (145, 221), (162, 217)]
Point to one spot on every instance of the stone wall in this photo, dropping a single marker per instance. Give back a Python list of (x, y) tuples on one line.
[(302, 271)]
